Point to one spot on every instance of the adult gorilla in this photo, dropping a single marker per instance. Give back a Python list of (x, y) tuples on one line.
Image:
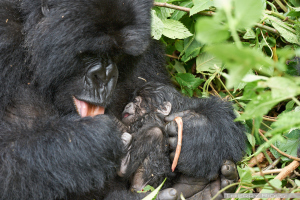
[(57, 56)]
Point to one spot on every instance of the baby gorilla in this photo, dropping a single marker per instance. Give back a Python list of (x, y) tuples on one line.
[(211, 138), (148, 159)]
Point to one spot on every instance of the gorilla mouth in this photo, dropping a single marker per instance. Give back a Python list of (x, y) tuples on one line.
[(125, 115), (85, 109)]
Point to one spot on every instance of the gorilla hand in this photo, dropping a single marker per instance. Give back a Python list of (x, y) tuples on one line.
[(210, 183), (202, 189)]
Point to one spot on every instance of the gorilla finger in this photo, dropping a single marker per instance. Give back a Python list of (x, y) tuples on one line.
[(168, 194), (172, 155), (225, 183), (215, 188), (171, 128), (172, 142), (126, 138), (174, 115), (229, 170)]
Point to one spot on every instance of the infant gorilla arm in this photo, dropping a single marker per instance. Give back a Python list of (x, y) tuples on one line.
[(148, 158), (148, 151)]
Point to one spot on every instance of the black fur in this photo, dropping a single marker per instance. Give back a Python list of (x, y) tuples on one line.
[(47, 151), (149, 162)]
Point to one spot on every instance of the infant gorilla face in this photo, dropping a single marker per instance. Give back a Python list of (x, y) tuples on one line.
[(141, 106), (133, 111)]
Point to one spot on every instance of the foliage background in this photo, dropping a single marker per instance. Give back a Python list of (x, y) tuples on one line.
[(244, 51)]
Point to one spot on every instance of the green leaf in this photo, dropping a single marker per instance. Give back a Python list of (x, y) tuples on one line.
[(210, 31), (188, 80), (247, 12), (297, 182), (285, 122), (200, 5), (179, 45), (268, 189), (177, 15), (157, 26), (191, 49), (179, 67), (207, 62), (282, 87), (147, 188), (175, 29), (245, 174), (249, 34), (251, 139), (240, 61), (153, 194), (285, 31), (162, 12), (259, 106), (251, 77), (288, 146), (289, 106)]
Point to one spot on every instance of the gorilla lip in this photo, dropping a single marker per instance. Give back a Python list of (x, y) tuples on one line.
[(85, 109), (125, 115)]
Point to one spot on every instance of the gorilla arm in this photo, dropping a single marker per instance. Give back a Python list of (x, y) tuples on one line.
[(211, 131), (55, 156)]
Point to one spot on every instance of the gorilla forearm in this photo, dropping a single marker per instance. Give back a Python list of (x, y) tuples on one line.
[(58, 156)]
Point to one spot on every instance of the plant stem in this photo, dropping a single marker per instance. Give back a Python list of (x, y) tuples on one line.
[(296, 101), (229, 92), (171, 6), (276, 14), (267, 28), (281, 5)]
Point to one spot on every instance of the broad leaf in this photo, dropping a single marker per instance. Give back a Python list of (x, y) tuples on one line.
[(210, 31), (260, 105), (208, 62), (200, 5), (247, 12), (157, 26), (175, 29)]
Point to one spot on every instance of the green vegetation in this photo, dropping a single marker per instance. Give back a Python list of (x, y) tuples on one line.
[(243, 51)]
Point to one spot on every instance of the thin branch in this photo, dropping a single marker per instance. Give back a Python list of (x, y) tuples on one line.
[(171, 6), (276, 14), (229, 92), (185, 9), (267, 28), (271, 166), (278, 150), (287, 170), (273, 171), (171, 56)]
